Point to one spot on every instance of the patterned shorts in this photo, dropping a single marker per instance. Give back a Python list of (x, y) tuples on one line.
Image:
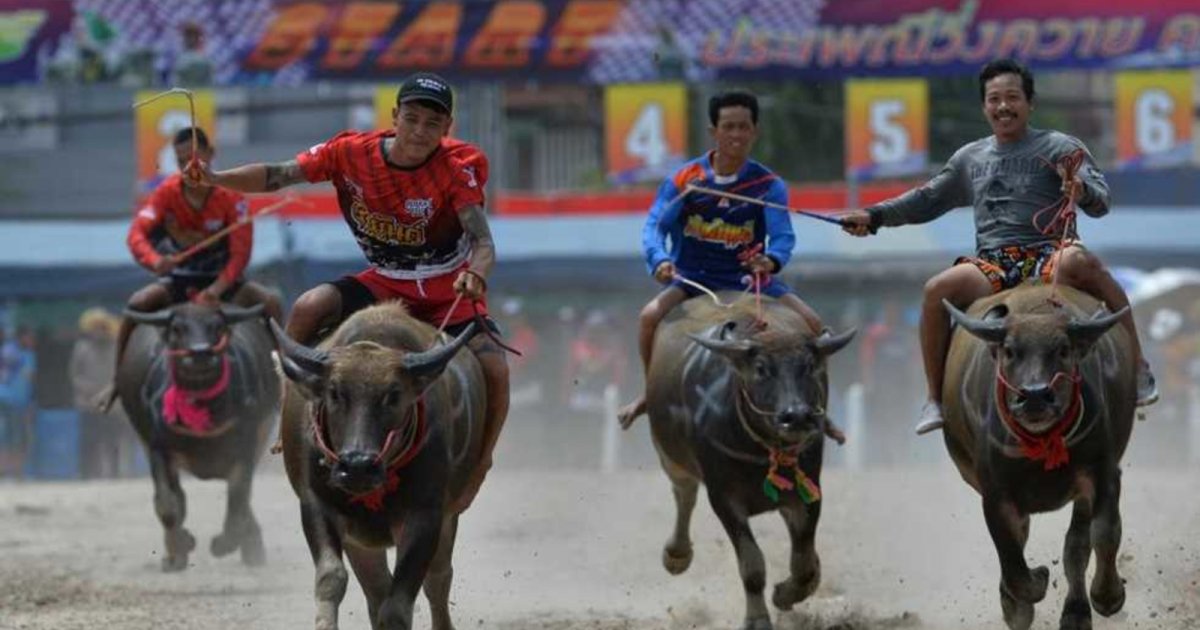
[(1006, 267)]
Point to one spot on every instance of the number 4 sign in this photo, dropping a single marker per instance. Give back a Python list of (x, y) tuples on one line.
[(887, 128), (645, 130), (1154, 118)]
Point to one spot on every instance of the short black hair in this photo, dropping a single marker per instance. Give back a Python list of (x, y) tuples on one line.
[(185, 135), (1006, 66), (736, 98)]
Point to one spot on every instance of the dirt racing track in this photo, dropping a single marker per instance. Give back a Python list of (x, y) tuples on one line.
[(560, 549)]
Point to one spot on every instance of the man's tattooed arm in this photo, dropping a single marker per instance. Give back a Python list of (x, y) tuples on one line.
[(283, 174), (256, 178), (483, 249)]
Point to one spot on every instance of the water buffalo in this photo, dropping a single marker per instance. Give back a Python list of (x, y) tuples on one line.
[(741, 407), (381, 428), (203, 395), (1039, 406)]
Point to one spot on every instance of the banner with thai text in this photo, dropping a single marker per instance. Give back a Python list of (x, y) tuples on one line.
[(887, 128), (645, 131), (1154, 118), (289, 42)]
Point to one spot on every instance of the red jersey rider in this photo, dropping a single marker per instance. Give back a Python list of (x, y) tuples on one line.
[(179, 214), (413, 197)]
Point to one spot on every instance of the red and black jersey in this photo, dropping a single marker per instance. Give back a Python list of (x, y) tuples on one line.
[(168, 224), (404, 219)]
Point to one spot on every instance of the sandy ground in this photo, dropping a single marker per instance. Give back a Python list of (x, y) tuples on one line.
[(552, 545)]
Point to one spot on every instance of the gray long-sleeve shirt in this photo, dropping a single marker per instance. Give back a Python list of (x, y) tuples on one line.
[(1006, 183)]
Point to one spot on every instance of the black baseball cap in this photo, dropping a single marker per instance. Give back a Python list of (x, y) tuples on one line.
[(427, 87)]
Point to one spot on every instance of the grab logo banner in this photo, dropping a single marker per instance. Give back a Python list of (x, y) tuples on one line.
[(155, 126), (1154, 118), (645, 131), (887, 128)]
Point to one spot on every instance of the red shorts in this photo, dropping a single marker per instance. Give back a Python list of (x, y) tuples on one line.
[(428, 299)]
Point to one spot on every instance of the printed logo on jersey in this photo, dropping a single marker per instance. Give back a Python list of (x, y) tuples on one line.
[(148, 212), (385, 228), (470, 171), (213, 225), (718, 231), (419, 208), (242, 208)]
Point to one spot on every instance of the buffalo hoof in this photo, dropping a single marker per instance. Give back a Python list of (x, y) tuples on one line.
[(1017, 614), (1033, 590), (174, 564), (791, 591), (180, 543), (254, 554), (1076, 615), (1108, 601), (222, 545), (762, 623), (676, 561)]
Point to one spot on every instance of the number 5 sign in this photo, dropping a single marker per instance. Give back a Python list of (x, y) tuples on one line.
[(1154, 118), (887, 128), (645, 130)]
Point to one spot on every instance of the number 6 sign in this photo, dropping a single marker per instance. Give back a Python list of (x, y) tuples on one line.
[(1154, 118), (645, 130), (887, 128)]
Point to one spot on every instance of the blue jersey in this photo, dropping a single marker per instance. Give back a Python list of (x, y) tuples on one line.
[(706, 232)]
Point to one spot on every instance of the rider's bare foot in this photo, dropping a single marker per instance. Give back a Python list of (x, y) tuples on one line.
[(630, 412)]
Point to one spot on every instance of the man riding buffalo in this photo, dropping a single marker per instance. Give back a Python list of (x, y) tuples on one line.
[(1016, 179)]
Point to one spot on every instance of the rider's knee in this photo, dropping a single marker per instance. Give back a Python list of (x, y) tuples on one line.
[(310, 309), (651, 315), (1078, 266), (955, 286), (938, 288), (149, 298)]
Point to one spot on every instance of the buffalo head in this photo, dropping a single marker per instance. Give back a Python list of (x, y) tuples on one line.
[(1038, 356), (196, 336), (781, 379), (365, 391)]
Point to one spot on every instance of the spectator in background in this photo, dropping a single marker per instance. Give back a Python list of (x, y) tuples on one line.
[(18, 359), (105, 436), (192, 66)]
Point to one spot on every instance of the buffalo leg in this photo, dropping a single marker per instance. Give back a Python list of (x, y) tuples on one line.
[(1108, 591), (371, 568), (1020, 587), (241, 529), (171, 506), (440, 576), (751, 566), (805, 563), (1077, 550), (416, 539), (677, 552), (325, 545)]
